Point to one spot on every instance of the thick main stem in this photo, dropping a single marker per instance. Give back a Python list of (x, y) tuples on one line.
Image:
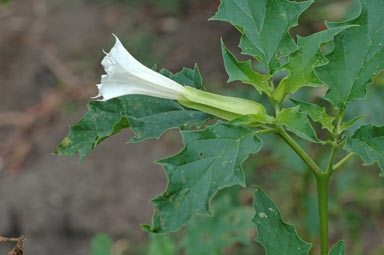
[(322, 195)]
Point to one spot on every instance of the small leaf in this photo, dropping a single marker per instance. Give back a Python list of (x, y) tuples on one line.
[(349, 124), (210, 161), (368, 143), (276, 236), (242, 71), (298, 123), (338, 249), (317, 114), (210, 235), (161, 245), (101, 245), (358, 54), (149, 117), (265, 26), (302, 62)]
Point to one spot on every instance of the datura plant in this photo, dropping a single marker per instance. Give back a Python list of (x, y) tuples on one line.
[(344, 57)]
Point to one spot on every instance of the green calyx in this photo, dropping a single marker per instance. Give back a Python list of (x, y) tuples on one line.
[(225, 107)]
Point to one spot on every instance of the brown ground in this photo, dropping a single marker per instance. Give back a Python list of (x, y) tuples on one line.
[(49, 62)]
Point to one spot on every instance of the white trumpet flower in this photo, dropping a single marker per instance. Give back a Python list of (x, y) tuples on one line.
[(127, 76)]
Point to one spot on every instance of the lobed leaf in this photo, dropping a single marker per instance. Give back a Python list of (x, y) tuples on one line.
[(368, 143), (338, 249), (274, 234), (298, 123), (302, 62), (148, 117), (264, 25), (317, 114), (211, 160), (242, 71), (358, 54)]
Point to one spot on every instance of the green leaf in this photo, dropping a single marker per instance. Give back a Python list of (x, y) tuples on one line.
[(368, 143), (211, 160), (210, 235), (242, 71), (317, 114), (347, 125), (101, 245), (264, 25), (161, 245), (302, 62), (149, 117), (338, 249), (358, 54), (298, 123), (276, 236)]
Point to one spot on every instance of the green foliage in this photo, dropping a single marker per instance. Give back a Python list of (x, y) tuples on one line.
[(298, 123), (101, 245), (148, 117), (264, 26), (210, 235), (338, 249), (343, 57), (276, 236), (211, 160), (242, 71), (302, 62), (358, 54), (161, 245), (317, 114), (4, 2), (368, 143)]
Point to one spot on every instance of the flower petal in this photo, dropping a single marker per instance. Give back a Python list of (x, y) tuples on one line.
[(125, 75)]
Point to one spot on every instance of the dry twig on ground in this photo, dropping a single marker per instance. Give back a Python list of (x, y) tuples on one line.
[(19, 246)]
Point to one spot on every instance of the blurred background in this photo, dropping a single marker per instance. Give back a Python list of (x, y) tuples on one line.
[(50, 53)]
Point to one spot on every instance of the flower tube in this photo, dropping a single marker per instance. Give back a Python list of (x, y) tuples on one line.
[(127, 76)]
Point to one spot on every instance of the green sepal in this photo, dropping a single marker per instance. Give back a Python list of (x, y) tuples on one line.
[(251, 120), (222, 106), (274, 234)]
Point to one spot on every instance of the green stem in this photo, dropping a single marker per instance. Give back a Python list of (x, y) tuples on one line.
[(322, 195), (267, 131), (343, 161), (302, 154), (331, 159)]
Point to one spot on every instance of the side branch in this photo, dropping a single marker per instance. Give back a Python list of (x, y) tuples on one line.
[(343, 161), (302, 154)]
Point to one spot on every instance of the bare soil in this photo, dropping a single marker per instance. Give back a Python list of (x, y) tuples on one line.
[(49, 65)]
